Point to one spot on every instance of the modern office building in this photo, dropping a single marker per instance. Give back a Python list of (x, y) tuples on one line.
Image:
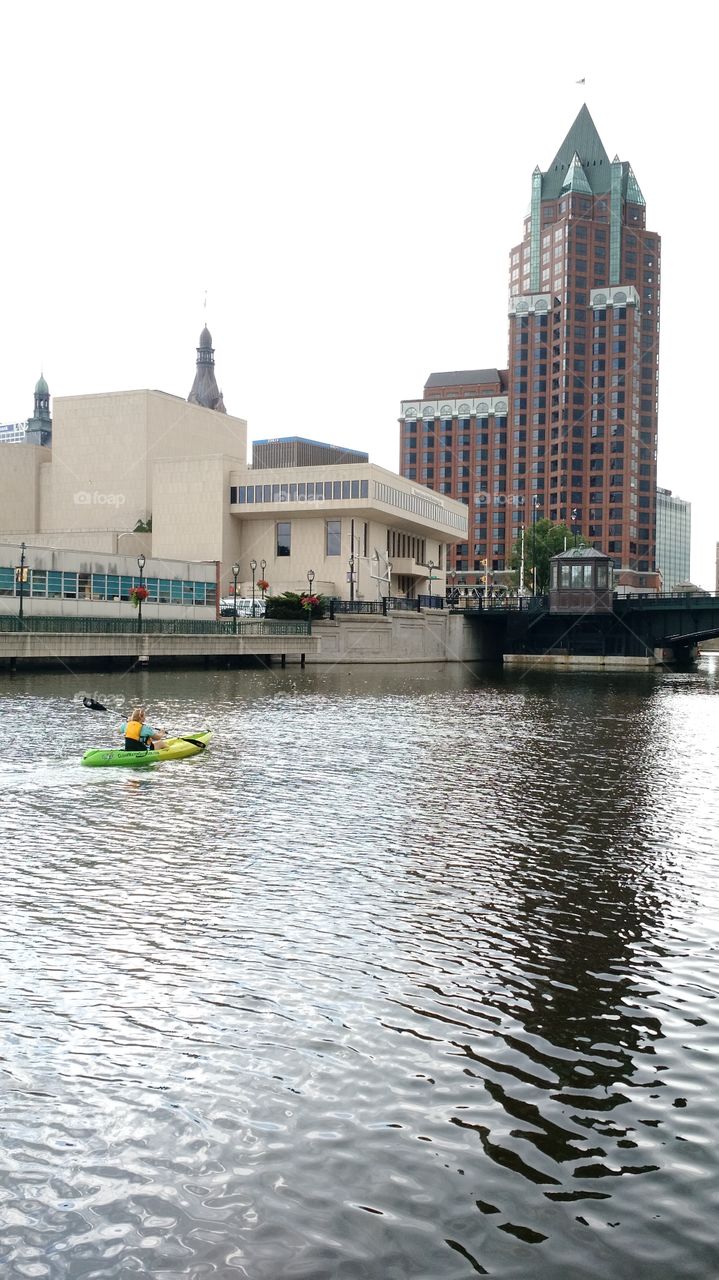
[(674, 536), (571, 425), (13, 432), (296, 451)]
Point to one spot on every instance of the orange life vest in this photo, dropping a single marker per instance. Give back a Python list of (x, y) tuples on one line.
[(134, 730)]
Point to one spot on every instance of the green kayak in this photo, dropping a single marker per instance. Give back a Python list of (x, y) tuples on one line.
[(190, 744)]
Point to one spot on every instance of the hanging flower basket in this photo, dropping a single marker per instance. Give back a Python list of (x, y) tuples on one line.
[(263, 584), (137, 595)]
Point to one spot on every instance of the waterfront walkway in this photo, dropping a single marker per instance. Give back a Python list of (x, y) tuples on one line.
[(66, 639)]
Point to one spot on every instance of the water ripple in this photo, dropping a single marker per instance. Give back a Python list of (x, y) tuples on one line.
[(411, 974)]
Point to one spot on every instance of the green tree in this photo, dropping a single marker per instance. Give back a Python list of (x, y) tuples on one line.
[(542, 541)]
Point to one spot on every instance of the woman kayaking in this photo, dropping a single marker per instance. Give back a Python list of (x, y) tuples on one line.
[(140, 736)]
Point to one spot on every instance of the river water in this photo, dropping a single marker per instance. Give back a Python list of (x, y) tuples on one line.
[(412, 974)]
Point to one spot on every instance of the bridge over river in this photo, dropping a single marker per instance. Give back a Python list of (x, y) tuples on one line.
[(636, 626), (639, 628)]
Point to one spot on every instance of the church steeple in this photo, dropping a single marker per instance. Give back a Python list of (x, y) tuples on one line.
[(39, 426), (204, 389)]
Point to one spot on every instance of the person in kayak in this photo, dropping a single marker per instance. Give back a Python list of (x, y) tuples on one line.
[(140, 736)]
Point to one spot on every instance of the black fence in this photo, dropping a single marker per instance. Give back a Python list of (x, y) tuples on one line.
[(387, 605), (155, 626)]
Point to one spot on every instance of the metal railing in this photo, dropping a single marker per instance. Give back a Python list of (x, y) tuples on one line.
[(385, 606), (498, 603), (154, 626)]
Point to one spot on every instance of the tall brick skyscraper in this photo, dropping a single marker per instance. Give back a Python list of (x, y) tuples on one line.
[(571, 425)]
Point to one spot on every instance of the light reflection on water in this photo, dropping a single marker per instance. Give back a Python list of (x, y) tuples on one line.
[(410, 975)]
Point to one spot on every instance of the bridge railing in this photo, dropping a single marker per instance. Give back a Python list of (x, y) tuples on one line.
[(676, 597), (498, 603), (154, 626), (386, 606)]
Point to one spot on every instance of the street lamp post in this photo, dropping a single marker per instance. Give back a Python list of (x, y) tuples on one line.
[(534, 544), (263, 566), (235, 575), (431, 567), (253, 566), (141, 566), (352, 578), (575, 515), (310, 579), (22, 575)]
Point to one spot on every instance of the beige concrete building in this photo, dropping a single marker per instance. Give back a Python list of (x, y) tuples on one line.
[(123, 458)]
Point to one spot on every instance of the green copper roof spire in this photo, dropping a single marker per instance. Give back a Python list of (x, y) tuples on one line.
[(634, 195), (584, 142)]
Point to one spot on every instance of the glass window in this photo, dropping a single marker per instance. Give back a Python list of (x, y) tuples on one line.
[(345, 488), (355, 489), (337, 489), (333, 537), (284, 537), (328, 490)]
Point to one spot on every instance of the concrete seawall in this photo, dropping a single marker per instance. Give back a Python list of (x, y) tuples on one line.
[(432, 635)]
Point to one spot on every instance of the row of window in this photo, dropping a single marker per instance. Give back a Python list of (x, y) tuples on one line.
[(402, 546), (431, 423), (580, 575), (339, 490), (56, 584), (305, 491)]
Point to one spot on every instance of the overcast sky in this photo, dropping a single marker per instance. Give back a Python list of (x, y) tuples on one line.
[(345, 181)]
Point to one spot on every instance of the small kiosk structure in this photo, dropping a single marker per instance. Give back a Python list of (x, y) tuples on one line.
[(581, 581)]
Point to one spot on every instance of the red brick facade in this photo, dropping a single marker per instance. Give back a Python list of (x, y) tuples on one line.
[(579, 427)]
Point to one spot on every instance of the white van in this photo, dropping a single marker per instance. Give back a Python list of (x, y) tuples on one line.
[(244, 607)]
